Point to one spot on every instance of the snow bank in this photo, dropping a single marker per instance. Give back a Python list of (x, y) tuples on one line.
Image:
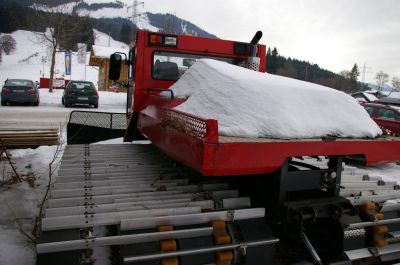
[(369, 96), (105, 52), (14, 249), (252, 104)]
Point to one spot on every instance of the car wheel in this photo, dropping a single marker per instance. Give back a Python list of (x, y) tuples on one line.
[(36, 103), (3, 103), (62, 101), (66, 104), (96, 105)]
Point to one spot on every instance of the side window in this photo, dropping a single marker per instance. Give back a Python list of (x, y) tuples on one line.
[(171, 66), (369, 110), (387, 114)]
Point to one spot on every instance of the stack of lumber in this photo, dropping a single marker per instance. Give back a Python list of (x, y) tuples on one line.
[(19, 138)]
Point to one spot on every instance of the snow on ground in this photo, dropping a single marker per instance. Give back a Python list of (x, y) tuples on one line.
[(107, 12), (26, 61), (253, 104), (21, 202), (144, 23), (103, 39), (14, 249)]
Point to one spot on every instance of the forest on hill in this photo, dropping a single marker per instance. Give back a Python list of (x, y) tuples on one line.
[(346, 80)]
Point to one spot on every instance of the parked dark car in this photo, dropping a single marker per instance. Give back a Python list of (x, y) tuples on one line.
[(385, 116), (19, 91), (80, 92)]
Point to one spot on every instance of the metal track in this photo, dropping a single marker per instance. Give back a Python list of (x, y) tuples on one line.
[(132, 187), (136, 190)]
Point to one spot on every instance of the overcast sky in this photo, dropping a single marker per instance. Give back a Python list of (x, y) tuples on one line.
[(334, 34)]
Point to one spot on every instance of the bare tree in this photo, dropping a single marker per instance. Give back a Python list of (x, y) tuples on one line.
[(54, 33), (343, 81), (345, 74), (8, 44), (396, 83), (381, 79)]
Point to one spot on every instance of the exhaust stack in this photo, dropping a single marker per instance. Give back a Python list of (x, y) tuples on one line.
[(253, 62)]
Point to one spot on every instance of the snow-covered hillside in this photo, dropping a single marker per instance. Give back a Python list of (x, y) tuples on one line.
[(26, 61), (102, 9), (123, 9)]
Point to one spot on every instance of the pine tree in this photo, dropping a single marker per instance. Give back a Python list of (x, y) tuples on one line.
[(354, 74), (126, 33), (275, 52)]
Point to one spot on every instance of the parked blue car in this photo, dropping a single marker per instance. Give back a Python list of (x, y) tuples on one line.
[(19, 91)]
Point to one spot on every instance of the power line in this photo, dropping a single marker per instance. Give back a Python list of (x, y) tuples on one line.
[(135, 13)]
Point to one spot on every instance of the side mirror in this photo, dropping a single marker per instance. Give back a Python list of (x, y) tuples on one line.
[(115, 66)]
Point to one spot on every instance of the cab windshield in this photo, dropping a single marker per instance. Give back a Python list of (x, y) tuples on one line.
[(171, 66)]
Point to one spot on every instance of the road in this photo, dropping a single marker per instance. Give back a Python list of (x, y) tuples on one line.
[(50, 116)]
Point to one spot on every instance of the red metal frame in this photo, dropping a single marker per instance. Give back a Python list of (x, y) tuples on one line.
[(200, 149), (194, 141)]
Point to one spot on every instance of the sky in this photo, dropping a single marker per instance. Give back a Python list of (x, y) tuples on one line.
[(335, 34)]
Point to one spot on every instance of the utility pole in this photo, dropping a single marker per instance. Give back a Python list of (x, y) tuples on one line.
[(109, 38), (365, 70), (363, 73), (135, 13)]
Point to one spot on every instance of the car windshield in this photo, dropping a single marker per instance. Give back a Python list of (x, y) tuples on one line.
[(19, 82), (81, 85)]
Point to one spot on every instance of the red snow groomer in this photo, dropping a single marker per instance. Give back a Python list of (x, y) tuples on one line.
[(302, 200), (308, 207)]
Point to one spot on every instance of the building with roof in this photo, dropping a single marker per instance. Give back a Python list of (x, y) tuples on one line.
[(100, 56)]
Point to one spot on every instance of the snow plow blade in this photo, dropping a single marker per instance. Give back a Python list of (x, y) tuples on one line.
[(85, 127)]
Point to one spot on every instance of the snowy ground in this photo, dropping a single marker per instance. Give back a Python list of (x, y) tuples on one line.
[(21, 201), (26, 61)]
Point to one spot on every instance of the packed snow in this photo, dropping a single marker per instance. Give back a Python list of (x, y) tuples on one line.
[(369, 96), (252, 104), (26, 61), (394, 95), (105, 52)]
